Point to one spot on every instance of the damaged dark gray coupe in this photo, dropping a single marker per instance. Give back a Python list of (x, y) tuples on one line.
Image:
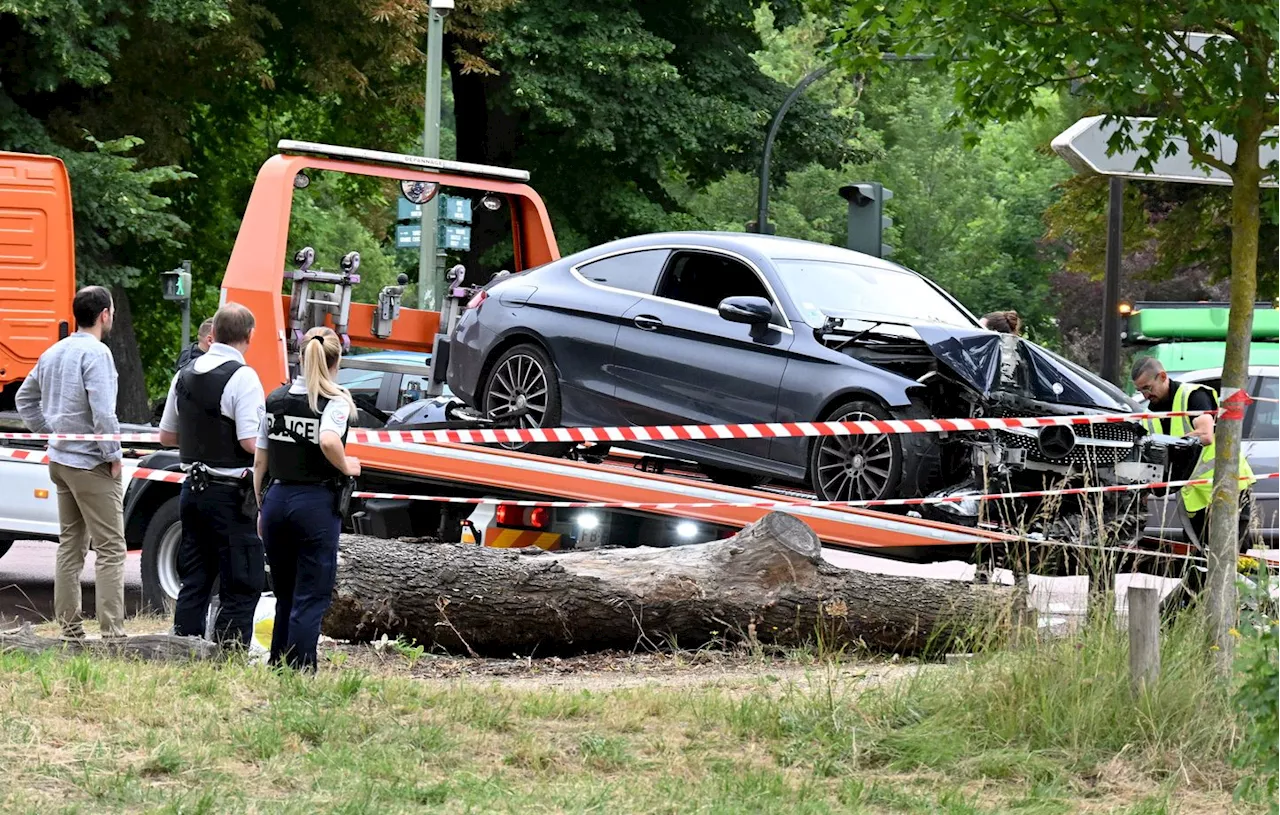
[(707, 328)]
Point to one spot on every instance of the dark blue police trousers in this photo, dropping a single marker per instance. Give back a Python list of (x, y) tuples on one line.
[(300, 528), (219, 542)]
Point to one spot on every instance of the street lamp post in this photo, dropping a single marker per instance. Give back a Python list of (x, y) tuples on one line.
[(762, 224), (428, 282)]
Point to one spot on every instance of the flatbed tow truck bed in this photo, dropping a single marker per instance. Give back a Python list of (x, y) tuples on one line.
[(523, 476)]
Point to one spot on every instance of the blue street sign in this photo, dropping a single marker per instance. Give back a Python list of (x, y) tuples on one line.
[(408, 211), (456, 209), (451, 208), (456, 238), (408, 237)]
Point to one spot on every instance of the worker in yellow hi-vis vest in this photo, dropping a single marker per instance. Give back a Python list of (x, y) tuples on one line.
[(1168, 395)]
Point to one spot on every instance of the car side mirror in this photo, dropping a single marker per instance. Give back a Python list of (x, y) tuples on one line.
[(749, 310)]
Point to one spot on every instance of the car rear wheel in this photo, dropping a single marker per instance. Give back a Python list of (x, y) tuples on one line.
[(872, 467), (524, 381)]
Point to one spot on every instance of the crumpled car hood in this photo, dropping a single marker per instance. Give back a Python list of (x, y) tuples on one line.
[(973, 355)]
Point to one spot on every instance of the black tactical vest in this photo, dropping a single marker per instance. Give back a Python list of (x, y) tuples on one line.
[(204, 434), (293, 439)]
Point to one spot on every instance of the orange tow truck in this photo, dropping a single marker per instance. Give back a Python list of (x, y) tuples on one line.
[(257, 276), (37, 264)]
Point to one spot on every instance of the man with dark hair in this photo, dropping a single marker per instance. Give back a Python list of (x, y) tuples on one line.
[(204, 338), (1165, 395), (212, 415), (72, 389)]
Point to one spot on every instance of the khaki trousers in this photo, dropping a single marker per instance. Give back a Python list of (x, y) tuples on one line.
[(90, 506)]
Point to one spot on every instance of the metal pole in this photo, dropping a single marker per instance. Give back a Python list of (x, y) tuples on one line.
[(186, 309), (429, 283), (1111, 283), (762, 210), (762, 207)]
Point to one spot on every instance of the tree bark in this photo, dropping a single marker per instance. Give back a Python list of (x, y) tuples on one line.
[(165, 647), (768, 584), (131, 399), (1224, 506)]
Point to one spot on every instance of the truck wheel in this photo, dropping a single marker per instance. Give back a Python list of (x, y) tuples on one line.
[(524, 379), (857, 468), (160, 582)]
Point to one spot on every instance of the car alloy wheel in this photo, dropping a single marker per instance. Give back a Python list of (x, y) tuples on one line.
[(855, 468), (518, 384)]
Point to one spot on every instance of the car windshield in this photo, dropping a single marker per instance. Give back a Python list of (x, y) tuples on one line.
[(822, 287)]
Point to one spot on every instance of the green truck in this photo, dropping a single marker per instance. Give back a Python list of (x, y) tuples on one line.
[(1191, 336)]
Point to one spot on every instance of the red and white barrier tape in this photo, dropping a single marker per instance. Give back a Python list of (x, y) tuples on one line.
[(143, 473), (765, 430), (688, 432), (153, 438), (174, 477)]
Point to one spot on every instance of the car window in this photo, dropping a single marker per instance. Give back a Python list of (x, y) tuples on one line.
[(1266, 415), (633, 271), (360, 381), (822, 288), (704, 279)]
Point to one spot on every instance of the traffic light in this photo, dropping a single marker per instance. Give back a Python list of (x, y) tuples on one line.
[(867, 221), (176, 283)]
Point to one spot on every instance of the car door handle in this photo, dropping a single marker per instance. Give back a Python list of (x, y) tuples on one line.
[(647, 322)]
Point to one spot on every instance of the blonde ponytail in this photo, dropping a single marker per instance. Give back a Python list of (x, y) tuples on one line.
[(321, 351)]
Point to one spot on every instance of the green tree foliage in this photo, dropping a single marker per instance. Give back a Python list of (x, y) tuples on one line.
[(627, 96), (1133, 59), (967, 217), (208, 86)]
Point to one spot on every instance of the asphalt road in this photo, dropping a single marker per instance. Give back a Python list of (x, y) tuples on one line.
[(26, 582)]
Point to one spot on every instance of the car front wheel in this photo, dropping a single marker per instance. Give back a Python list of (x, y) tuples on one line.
[(872, 467), (523, 387)]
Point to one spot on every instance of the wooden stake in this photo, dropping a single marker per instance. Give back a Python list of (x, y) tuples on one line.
[(1144, 637)]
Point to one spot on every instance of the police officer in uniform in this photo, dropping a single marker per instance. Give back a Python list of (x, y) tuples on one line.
[(301, 458), (212, 415)]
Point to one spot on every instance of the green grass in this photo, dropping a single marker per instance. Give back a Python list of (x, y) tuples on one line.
[(1047, 729)]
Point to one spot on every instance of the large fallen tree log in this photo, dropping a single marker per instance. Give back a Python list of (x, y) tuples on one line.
[(767, 584)]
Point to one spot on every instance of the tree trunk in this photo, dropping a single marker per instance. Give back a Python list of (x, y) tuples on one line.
[(131, 400), (1224, 507), (768, 584)]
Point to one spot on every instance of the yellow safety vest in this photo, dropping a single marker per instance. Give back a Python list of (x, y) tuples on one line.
[(1196, 497)]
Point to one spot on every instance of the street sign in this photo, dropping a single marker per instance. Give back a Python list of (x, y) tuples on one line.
[(448, 236), (407, 210), (456, 209), (408, 237), (452, 208), (1084, 147), (455, 238)]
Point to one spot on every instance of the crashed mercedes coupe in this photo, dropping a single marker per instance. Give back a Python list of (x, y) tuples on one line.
[(709, 328)]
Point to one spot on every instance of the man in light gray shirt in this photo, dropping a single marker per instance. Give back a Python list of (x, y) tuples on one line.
[(72, 389)]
